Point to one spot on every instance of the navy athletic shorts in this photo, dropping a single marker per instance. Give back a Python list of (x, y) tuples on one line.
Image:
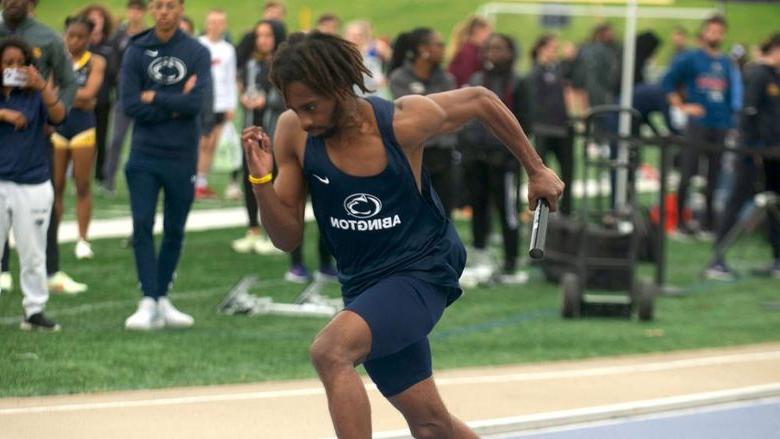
[(400, 311)]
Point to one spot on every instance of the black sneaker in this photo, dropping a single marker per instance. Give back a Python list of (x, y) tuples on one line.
[(39, 322)]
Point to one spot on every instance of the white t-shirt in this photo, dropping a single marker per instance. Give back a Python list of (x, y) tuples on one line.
[(223, 74)]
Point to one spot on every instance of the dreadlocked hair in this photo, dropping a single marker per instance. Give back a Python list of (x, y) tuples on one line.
[(328, 64)]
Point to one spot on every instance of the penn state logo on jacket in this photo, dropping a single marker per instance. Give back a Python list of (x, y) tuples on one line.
[(167, 70)]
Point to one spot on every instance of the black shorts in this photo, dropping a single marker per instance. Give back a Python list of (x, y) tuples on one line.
[(211, 121), (400, 311)]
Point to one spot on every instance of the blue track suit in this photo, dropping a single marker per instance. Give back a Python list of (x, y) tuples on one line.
[(164, 150), (399, 257)]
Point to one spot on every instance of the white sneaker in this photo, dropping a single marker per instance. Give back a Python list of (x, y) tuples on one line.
[(264, 246), (60, 282), (6, 281), (516, 278), (146, 317), (233, 191), (245, 244), (172, 316), (83, 250)]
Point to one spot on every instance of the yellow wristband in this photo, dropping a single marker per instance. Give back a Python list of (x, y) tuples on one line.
[(261, 180)]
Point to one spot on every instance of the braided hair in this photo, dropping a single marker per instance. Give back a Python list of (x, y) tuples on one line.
[(327, 64)]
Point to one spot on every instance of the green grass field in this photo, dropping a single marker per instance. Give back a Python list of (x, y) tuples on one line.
[(494, 326)]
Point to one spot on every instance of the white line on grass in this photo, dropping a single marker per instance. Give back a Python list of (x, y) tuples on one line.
[(530, 376)]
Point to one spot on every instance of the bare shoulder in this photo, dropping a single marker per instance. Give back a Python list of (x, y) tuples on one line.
[(99, 61), (289, 138), (416, 119)]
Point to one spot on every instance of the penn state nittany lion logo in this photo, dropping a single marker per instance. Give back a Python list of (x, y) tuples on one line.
[(362, 206), (167, 70)]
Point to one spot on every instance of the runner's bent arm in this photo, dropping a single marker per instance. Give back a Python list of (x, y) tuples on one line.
[(282, 204), (422, 117)]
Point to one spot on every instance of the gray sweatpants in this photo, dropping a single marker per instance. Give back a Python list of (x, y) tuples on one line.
[(27, 208)]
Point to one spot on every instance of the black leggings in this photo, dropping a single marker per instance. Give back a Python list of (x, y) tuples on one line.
[(563, 149), (745, 187), (489, 186), (690, 166)]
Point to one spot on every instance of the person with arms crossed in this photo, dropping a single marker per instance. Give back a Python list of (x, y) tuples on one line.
[(166, 76), (399, 257)]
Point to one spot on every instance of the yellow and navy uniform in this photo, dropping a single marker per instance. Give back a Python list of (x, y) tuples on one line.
[(78, 129)]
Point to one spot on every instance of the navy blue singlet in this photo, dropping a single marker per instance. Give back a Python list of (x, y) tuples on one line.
[(382, 225)]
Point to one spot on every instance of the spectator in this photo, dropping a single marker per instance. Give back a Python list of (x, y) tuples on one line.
[(550, 120), (706, 77), (647, 44), (25, 189), (597, 68), (272, 10), (165, 78), (187, 26), (100, 44), (52, 63), (492, 173), (464, 50), (758, 129), (74, 141), (360, 33), (135, 24), (416, 69), (225, 96), (263, 105), (329, 24)]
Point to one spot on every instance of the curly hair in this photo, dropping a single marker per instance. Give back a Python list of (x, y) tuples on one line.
[(328, 64), (20, 44)]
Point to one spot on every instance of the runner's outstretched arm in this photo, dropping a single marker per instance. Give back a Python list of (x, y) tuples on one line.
[(422, 117)]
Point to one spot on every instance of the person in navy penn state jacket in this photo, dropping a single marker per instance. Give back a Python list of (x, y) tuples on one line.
[(166, 76)]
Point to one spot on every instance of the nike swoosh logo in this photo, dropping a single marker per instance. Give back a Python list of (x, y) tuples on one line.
[(153, 53), (325, 180)]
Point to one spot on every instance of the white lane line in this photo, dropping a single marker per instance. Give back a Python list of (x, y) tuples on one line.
[(531, 376), (584, 416), (709, 408)]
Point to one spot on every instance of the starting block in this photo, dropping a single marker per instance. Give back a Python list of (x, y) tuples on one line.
[(309, 303)]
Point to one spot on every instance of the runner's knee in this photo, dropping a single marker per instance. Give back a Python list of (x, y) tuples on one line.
[(438, 427)]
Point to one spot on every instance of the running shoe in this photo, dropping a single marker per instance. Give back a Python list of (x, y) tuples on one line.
[(83, 250), (146, 317), (327, 274), (204, 193), (298, 274), (233, 191), (39, 322), (245, 244), (719, 271), (60, 282), (6, 281), (172, 317)]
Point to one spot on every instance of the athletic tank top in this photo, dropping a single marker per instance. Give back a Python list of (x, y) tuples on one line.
[(81, 68), (382, 225)]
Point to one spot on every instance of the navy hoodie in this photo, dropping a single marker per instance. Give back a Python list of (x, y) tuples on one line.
[(168, 127)]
